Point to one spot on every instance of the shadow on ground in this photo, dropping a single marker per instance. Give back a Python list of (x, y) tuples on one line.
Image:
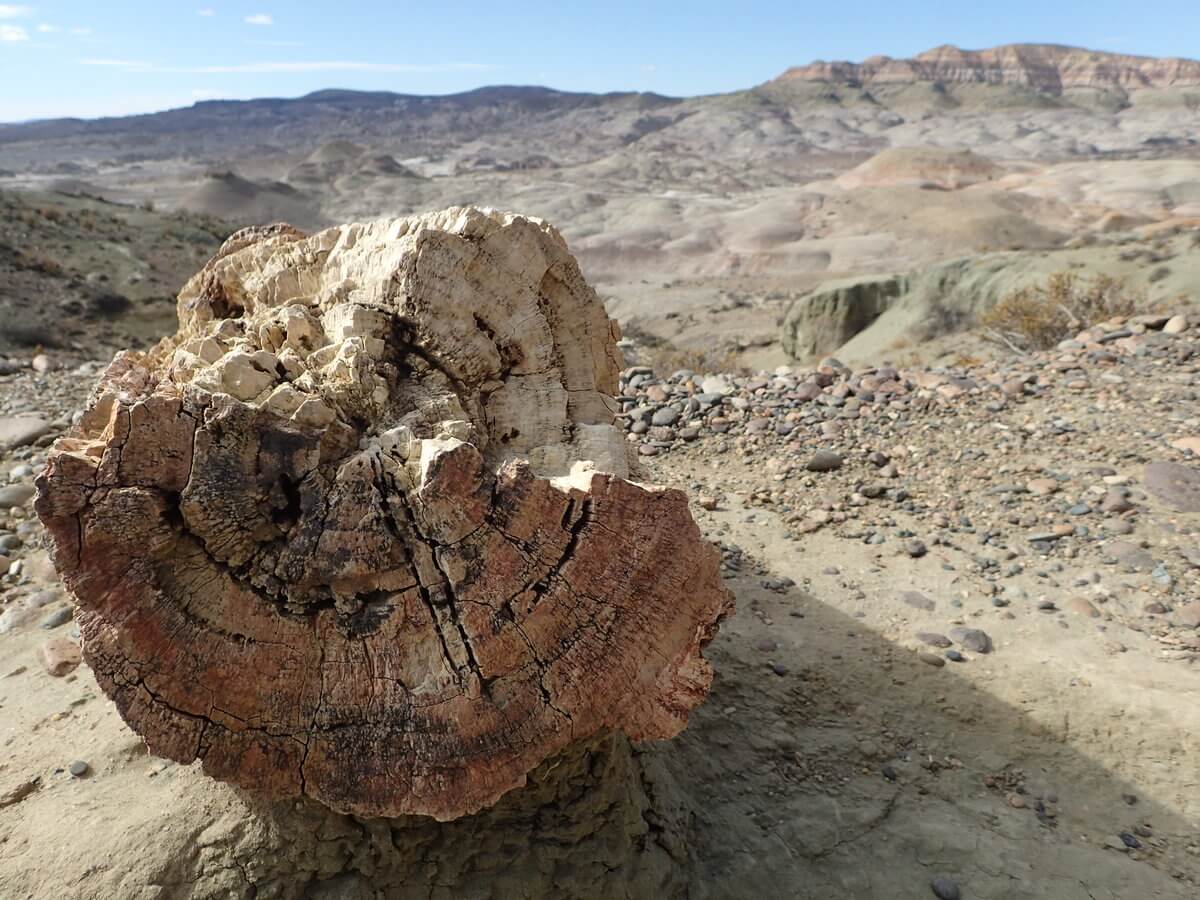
[(831, 763)]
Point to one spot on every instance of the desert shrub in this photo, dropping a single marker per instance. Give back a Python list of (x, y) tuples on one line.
[(28, 334), (667, 359), (1038, 317), (664, 357), (40, 262), (108, 304)]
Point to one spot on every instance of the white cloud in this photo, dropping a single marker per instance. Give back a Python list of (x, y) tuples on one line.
[(14, 12), (259, 68), (12, 33), (45, 28), (206, 12), (81, 31), (259, 19), (115, 63)]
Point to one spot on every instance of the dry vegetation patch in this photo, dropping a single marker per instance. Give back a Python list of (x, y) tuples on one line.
[(1040, 316)]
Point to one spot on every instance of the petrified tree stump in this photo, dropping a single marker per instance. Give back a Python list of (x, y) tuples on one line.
[(362, 531)]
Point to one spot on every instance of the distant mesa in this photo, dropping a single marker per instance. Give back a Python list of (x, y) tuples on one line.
[(925, 167), (1050, 68)]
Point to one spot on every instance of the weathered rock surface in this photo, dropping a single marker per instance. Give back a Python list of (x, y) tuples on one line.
[(1175, 484), (1046, 67), (836, 312), (361, 530), (865, 317)]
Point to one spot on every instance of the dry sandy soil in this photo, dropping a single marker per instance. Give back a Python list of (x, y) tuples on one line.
[(839, 755)]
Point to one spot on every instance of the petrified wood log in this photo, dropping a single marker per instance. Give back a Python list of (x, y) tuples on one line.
[(362, 530)]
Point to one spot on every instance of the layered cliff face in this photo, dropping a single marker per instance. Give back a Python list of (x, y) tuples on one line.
[(1044, 67)]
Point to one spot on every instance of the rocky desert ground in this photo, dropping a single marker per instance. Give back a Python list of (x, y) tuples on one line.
[(964, 658)]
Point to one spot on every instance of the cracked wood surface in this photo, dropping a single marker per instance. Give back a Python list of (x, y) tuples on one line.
[(362, 529)]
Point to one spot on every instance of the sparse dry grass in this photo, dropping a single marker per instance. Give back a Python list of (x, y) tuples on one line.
[(1038, 317), (665, 360), (664, 357)]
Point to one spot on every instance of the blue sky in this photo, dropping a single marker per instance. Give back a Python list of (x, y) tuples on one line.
[(96, 58)]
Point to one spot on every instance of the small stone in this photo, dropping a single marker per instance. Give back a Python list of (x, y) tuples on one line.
[(779, 669), (1190, 444), (58, 617), (916, 549), (79, 768), (824, 461), (1116, 500), (1130, 841), (1039, 537), (60, 656), (18, 431), (931, 659), (1176, 325), (917, 600), (973, 639), (889, 773), (1083, 607), (668, 415), (955, 656), (1043, 487), (1188, 615), (933, 639), (945, 889), (16, 495), (707, 502), (1176, 485), (1131, 555), (1016, 801)]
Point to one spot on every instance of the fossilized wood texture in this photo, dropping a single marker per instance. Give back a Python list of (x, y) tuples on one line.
[(337, 538)]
